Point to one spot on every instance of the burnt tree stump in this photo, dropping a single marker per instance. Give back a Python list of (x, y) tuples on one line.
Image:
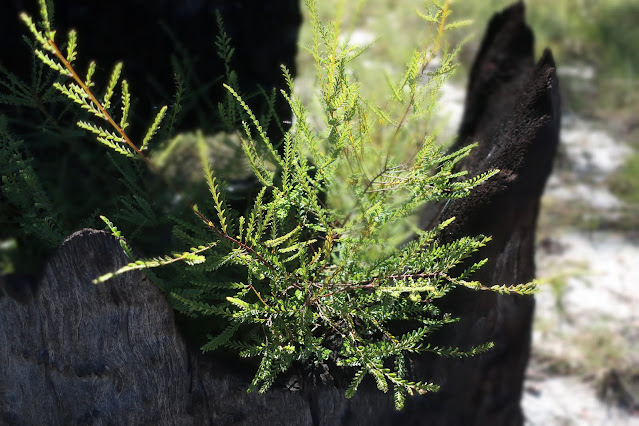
[(75, 353), (513, 111)]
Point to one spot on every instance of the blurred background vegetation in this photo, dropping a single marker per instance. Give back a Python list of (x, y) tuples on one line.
[(593, 42)]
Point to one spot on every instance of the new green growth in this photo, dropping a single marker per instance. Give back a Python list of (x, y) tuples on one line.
[(318, 267)]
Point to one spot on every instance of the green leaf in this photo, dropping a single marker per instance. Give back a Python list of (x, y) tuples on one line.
[(221, 339), (281, 239), (126, 106), (113, 81), (352, 388), (238, 302), (154, 127)]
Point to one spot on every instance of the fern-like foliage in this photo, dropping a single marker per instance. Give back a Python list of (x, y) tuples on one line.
[(316, 269), (23, 192), (80, 91)]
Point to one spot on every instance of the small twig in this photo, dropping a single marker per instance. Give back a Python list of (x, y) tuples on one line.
[(97, 103)]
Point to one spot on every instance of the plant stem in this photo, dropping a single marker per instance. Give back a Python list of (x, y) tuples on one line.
[(97, 103)]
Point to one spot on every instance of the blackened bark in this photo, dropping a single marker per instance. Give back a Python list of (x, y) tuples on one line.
[(512, 111)]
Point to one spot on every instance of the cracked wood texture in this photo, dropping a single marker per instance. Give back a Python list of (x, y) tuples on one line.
[(75, 353)]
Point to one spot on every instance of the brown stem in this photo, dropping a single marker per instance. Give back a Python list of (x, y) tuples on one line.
[(98, 104), (246, 247)]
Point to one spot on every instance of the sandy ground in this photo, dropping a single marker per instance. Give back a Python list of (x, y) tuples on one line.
[(586, 330)]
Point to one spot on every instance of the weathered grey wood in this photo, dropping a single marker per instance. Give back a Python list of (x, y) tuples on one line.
[(79, 352), (75, 353)]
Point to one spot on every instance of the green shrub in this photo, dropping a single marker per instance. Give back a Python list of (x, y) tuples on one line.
[(318, 267), (625, 183)]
